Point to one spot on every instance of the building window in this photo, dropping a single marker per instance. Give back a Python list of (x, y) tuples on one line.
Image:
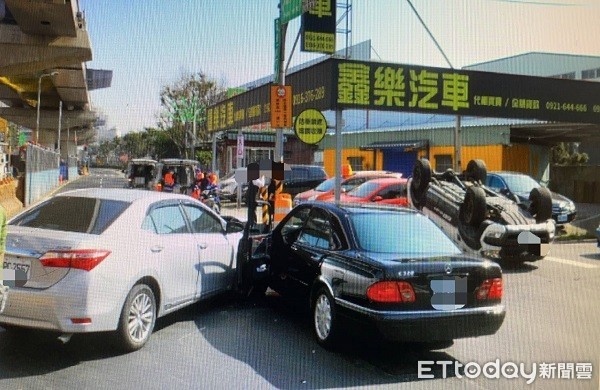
[(443, 162), (318, 157), (590, 73), (356, 163)]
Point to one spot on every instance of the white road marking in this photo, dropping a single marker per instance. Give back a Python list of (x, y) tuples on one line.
[(571, 262)]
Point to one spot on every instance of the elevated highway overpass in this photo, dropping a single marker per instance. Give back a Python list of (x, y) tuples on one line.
[(44, 46)]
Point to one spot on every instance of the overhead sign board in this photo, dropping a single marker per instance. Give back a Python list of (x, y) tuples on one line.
[(310, 126), (397, 87), (281, 106), (347, 84), (311, 88), (277, 48), (319, 28), (291, 9)]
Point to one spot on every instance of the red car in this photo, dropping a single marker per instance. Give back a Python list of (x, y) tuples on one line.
[(325, 189), (388, 190)]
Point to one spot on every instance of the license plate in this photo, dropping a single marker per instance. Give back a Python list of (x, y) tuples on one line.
[(449, 293), (21, 269), (562, 217)]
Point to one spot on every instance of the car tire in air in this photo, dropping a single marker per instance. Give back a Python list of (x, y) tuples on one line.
[(476, 171), (325, 323), (137, 320), (541, 204), (420, 180), (473, 208)]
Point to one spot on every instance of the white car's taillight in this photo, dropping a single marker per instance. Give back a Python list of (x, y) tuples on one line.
[(84, 259)]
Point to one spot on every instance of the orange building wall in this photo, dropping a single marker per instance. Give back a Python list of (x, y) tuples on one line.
[(516, 158), (496, 157), (367, 155), (491, 154)]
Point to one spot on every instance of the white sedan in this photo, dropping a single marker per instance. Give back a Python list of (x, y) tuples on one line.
[(114, 260)]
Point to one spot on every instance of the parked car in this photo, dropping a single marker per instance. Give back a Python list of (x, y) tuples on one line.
[(139, 172), (390, 268), (386, 190), (298, 179), (125, 259), (303, 177), (228, 188), (518, 186), (184, 171), (480, 220), (347, 184)]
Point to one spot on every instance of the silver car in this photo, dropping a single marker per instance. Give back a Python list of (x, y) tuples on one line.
[(98, 259)]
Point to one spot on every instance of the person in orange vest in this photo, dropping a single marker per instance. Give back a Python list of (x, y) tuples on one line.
[(169, 180)]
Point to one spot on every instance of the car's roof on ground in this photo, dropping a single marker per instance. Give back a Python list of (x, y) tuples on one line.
[(122, 194)]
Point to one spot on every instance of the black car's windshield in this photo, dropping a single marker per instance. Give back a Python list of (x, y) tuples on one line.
[(73, 214), (363, 190), (405, 234), (521, 183)]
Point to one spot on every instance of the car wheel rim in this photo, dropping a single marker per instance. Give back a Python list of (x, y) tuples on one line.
[(323, 317), (141, 316)]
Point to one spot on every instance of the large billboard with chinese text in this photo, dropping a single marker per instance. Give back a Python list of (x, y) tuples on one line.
[(397, 87), (347, 84), (312, 88)]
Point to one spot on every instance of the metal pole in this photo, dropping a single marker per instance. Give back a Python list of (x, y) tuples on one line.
[(37, 120), (279, 132), (193, 148), (338, 155), (214, 152), (239, 162), (59, 124)]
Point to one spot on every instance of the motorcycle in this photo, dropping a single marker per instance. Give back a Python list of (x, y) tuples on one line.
[(210, 197)]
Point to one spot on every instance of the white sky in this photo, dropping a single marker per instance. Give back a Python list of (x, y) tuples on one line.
[(152, 43)]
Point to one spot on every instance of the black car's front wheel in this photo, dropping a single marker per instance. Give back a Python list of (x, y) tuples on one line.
[(541, 203), (324, 319), (420, 180), (473, 208)]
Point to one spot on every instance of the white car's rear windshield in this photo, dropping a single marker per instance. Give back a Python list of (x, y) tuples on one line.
[(72, 214)]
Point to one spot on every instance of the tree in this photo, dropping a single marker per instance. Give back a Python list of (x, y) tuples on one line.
[(185, 102), (567, 154)]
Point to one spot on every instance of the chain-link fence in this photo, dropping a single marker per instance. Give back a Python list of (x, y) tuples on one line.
[(41, 172)]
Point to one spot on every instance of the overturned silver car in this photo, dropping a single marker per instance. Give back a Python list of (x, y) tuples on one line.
[(480, 220)]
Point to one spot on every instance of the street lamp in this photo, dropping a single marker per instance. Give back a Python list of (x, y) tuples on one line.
[(37, 122)]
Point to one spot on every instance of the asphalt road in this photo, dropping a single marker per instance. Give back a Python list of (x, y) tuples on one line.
[(552, 318)]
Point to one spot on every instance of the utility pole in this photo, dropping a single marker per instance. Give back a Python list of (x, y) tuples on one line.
[(457, 136)]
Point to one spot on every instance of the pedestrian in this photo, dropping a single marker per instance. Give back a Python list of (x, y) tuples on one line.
[(169, 180)]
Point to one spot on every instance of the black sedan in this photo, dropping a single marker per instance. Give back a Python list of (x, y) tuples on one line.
[(387, 267)]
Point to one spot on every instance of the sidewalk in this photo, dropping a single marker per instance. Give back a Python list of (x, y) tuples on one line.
[(588, 217)]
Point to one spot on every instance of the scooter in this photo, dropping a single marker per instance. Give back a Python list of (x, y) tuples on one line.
[(210, 197)]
